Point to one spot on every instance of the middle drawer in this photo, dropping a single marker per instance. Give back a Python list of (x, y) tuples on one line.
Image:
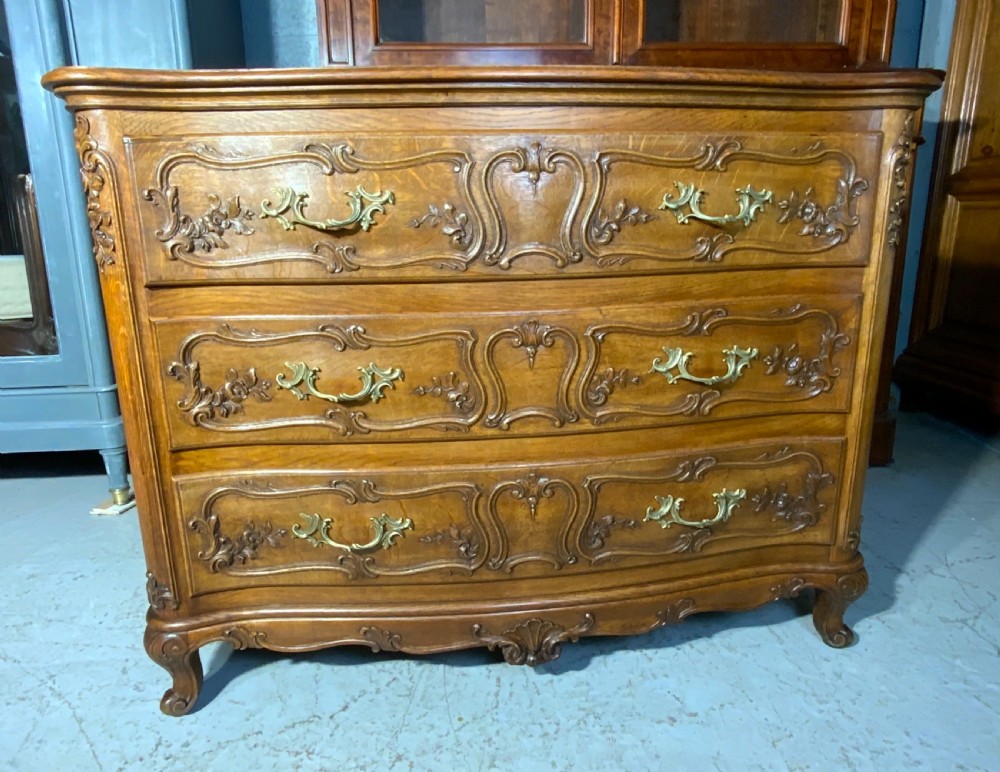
[(400, 376)]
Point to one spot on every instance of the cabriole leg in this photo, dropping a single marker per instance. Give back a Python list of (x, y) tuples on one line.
[(174, 653), (832, 602)]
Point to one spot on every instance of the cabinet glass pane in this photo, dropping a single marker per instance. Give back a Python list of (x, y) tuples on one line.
[(26, 324), (489, 22), (743, 21)]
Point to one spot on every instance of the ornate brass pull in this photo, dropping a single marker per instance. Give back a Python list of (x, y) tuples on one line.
[(362, 214), (669, 511), (751, 201), (317, 531), (374, 381), (737, 360)]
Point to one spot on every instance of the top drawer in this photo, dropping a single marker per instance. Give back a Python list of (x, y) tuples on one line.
[(390, 207)]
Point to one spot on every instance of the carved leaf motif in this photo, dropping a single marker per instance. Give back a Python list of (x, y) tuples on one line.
[(183, 233), (836, 221), (800, 511), (599, 530), (221, 552), (533, 642), (603, 385), (816, 374), (202, 403), (452, 389), (94, 165), (463, 537), (240, 638), (607, 225), (903, 157), (453, 223), (161, 597)]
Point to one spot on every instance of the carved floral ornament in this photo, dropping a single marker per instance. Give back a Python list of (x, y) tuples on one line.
[(472, 217), (96, 171)]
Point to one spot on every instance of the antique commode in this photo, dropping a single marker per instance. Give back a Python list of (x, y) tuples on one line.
[(431, 358)]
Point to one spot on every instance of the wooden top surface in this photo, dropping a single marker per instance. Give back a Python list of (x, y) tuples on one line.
[(85, 87)]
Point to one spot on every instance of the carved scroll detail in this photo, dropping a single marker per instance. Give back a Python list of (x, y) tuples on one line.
[(535, 641), (902, 158), (161, 597), (828, 224), (534, 160), (184, 233), (202, 404), (221, 551), (531, 489), (208, 407), (96, 171), (798, 508), (532, 336)]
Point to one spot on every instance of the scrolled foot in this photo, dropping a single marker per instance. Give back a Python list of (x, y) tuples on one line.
[(832, 602), (174, 653)]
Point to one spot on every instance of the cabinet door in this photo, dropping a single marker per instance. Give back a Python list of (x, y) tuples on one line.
[(441, 32), (953, 358), (790, 34)]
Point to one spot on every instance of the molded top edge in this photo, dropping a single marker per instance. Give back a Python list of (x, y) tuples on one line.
[(66, 81)]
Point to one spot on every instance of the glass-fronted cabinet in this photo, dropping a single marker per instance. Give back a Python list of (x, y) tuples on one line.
[(797, 34), (27, 325)]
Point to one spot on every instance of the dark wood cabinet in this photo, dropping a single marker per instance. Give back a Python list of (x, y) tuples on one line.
[(953, 358), (788, 34)]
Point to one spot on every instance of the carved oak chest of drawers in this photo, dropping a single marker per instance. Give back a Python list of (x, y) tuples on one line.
[(422, 360)]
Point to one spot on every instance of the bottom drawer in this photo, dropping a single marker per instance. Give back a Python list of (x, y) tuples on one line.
[(460, 523)]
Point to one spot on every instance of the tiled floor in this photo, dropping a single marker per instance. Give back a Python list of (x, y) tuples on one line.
[(758, 690)]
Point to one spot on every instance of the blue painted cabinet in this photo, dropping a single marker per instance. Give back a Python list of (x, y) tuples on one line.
[(66, 399)]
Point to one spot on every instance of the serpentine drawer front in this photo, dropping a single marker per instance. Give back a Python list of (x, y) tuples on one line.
[(423, 360), (402, 524), (394, 207), (490, 373)]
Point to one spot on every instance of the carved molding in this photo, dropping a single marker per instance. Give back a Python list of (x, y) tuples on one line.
[(797, 508), (161, 597), (530, 490), (533, 642), (232, 554), (828, 224), (532, 336), (96, 172), (534, 161), (196, 239), (902, 158), (807, 373), (209, 408)]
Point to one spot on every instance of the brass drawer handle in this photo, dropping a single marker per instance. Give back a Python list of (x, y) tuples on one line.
[(317, 531), (669, 511), (374, 381), (362, 214), (751, 202), (737, 360)]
